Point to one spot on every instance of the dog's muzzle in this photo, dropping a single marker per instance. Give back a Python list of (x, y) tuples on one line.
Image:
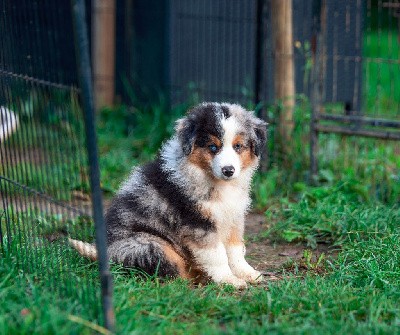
[(228, 171)]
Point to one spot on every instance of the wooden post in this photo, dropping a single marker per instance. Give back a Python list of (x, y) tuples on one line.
[(103, 52), (284, 83)]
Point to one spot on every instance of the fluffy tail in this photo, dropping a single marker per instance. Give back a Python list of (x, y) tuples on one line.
[(85, 249)]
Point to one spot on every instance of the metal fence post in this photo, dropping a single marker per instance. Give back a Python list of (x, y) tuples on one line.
[(316, 89), (85, 81)]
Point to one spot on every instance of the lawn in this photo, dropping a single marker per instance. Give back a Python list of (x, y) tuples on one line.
[(356, 293), (55, 291), (353, 207), (381, 71)]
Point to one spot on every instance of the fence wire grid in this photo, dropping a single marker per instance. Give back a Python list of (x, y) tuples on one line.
[(45, 180), (346, 120), (370, 115), (346, 63)]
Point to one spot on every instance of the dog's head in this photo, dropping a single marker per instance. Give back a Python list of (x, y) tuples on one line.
[(222, 139)]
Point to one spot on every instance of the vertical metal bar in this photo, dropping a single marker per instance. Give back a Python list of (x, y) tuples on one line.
[(258, 52), (313, 144), (166, 85), (85, 80), (5, 206), (317, 85), (259, 73)]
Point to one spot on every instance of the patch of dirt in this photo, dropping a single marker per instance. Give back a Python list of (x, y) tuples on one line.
[(268, 256)]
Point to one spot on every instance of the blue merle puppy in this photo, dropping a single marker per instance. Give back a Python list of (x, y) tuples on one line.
[(182, 215)]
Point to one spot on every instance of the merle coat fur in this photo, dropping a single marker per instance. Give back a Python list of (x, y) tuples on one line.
[(179, 215)]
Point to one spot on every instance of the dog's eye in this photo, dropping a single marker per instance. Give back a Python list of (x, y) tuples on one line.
[(213, 148), (237, 146)]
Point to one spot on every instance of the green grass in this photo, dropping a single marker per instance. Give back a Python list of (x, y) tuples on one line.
[(373, 164), (43, 282), (381, 78), (336, 215), (357, 293), (46, 288), (42, 285), (47, 153), (129, 136)]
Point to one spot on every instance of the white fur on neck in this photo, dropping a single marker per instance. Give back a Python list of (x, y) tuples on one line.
[(229, 204)]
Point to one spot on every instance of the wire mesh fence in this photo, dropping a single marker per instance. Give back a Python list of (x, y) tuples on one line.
[(346, 68), (346, 64), (372, 112), (45, 181), (346, 58), (203, 35)]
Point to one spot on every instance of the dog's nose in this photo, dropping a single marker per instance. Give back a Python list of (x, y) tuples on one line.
[(228, 171)]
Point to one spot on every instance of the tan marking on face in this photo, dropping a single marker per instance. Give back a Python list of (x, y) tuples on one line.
[(215, 140), (247, 156), (239, 139), (234, 238), (202, 157)]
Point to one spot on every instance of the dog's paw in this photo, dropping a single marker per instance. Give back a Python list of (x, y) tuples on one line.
[(253, 277), (250, 275), (234, 281)]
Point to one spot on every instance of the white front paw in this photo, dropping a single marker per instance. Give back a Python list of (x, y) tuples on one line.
[(253, 276), (248, 274), (233, 280)]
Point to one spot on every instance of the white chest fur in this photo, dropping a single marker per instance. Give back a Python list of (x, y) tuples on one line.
[(227, 207)]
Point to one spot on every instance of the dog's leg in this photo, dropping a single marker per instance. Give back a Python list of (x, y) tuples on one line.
[(214, 261), (236, 250), (150, 254)]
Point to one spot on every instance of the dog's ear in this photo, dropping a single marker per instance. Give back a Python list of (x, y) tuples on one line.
[(258, 135), (186, 131)]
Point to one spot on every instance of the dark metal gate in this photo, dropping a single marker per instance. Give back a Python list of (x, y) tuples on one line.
[(49, 175), (359, 116)]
